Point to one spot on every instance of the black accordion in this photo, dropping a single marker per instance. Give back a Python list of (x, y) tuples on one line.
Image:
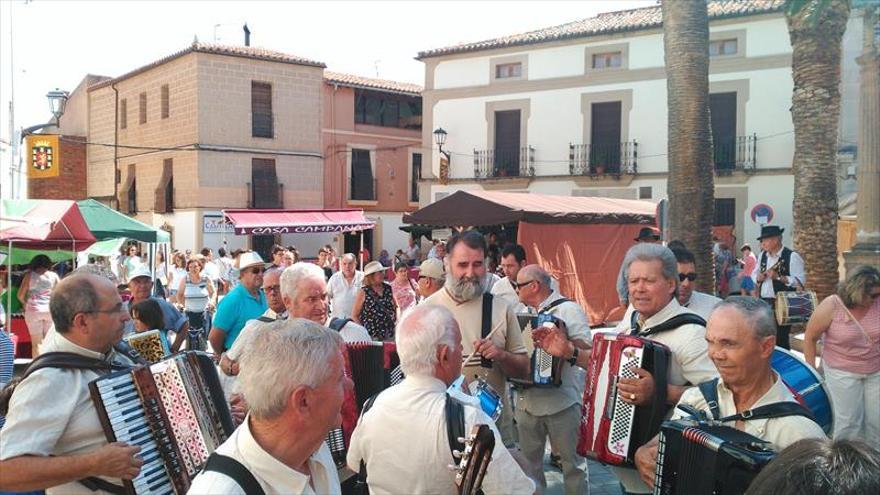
[(697, 458), (174, 410), (373, 367)]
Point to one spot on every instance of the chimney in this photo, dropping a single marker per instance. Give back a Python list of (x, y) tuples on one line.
[(247, 35)]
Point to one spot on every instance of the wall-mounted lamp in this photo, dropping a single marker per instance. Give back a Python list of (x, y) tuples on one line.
[(440, 140)]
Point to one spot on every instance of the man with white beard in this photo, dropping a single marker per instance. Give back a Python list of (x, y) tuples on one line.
[(488, 325)]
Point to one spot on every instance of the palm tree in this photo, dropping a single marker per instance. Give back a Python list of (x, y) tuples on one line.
[(816, 28), (691, 182)]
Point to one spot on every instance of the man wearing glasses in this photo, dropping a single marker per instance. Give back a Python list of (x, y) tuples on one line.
[(53, 439), (245, 302), (696, 301)]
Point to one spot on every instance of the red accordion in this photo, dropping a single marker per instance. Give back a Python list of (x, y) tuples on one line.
[(373, 367), (611, 429)]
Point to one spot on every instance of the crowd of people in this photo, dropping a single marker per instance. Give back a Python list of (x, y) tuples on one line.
[(276, 329)]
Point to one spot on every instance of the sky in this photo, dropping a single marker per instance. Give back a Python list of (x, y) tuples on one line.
[(48, 44)]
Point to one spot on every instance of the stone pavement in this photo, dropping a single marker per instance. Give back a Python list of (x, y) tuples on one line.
[(602, 481)]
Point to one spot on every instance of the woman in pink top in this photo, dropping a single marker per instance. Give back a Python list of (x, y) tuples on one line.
[(403, 288), (34, 294), (747, 285), (849, 325)]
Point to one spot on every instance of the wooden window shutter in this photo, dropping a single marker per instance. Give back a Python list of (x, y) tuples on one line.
[(142, 108), (165, 102), (164, 199), (128, 192), (261, 110), (264, 183), (123, 114)]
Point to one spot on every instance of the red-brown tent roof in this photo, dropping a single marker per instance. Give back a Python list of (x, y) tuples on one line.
[(478, 208), (44, 225), (297, 221)]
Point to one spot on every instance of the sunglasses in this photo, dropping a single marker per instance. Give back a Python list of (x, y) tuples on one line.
[(688, 276), (517, 286), (255, 271)]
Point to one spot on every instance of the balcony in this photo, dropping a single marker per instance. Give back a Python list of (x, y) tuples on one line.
[(263, 197), (597, 159), (498, 163), (736, 153)]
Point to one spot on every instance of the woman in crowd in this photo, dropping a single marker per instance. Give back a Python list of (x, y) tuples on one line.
[(749, 262), (403, 288), (849, 325), (384, 258), (34, 293), (197, 296), (176, 273), (131, 260), (374, 306)]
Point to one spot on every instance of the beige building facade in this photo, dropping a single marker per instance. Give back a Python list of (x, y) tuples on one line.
[(208, 128)]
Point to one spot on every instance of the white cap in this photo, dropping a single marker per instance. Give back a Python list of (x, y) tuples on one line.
[(141, 270)]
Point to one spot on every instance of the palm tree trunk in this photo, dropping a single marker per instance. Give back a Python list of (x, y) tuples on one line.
[(815, 111), (691, 182)]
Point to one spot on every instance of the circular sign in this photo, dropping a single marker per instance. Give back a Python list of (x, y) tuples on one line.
[(762, 214)]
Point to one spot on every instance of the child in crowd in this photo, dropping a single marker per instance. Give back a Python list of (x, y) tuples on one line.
[(147, 316)]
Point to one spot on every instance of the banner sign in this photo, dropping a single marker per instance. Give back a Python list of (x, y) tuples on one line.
[(43, 156), (303, 229), (213, 224)]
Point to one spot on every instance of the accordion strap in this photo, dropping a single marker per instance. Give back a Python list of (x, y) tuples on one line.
[(486, 325), (709, 390), (230, 467), (673, 323), (337, 324)]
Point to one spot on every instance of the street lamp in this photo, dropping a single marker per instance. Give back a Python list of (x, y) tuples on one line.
[(440, 140), (57, 102)]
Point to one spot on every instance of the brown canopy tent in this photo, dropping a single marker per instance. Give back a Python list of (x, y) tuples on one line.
[(581, 241)]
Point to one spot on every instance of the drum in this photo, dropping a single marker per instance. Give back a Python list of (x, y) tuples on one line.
[(479, 393), (806, 385), (795, 307)]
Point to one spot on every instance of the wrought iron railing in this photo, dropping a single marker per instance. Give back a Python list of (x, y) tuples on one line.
[(736, 153), (603, 158), (497, 163)]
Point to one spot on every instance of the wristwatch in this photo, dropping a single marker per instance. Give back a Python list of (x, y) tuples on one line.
[(574, 356)]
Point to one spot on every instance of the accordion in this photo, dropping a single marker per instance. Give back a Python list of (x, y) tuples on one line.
[(611, 430), (703, 458), (545, 370), (149, 345), (174, 410), (373, 367)]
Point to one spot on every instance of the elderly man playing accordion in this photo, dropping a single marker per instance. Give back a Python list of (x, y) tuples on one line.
[(741, 334)]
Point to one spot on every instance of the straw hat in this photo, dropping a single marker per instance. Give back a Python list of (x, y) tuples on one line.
[(249, 259), (373, 267)]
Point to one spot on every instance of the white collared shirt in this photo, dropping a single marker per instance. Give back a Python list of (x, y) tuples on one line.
[(780, 432), (796, 273), (274, 476), (702, 304), (403, 441), (342, 293), (504, 291), (51, 412)]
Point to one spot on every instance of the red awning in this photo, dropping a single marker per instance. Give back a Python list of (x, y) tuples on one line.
[(262, 222), (43, 224)]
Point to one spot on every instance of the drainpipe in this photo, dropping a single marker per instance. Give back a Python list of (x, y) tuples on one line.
[(115, 149)]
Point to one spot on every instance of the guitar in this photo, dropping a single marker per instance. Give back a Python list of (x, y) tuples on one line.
[(475, 460)]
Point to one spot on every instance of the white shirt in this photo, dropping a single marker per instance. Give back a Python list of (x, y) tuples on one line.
[(403, 441), (546, 401), (352, 332), (702, 304), (796, 273), (489, 281), (412, 252), (43, 421), (780, 432), (211, 270), (272, 475), (504, 291), (342, 293)]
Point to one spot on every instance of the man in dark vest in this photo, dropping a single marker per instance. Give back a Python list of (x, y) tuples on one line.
[(779, 270)]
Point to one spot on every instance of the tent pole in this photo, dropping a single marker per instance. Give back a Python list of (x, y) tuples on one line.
[(361, 252), (8, 323)]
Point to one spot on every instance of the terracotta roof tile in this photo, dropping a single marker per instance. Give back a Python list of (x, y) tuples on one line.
[(371, 83), (610, 22)]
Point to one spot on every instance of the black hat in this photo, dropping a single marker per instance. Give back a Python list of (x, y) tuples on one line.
[(648, 233), (770, 231)]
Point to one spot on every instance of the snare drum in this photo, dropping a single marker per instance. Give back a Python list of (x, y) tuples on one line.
[(479, 393), (795, 307), (806, 385)]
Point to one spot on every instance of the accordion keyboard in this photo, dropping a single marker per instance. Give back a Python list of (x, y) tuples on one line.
[(134, 422), (624, 412), (544, 365)]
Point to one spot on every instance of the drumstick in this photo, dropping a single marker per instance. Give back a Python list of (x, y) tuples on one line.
[(474, 356)]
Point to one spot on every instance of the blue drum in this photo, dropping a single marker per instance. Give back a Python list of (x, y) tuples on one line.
[(807, 386), (479, 393)]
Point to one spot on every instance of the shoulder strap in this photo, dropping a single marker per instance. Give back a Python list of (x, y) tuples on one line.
[(775, 410), (554, 304), (65, 360), (709, 390), (266, 319), (337, 324), (230, 467), (454, 426), (486, 325), (675, 322)]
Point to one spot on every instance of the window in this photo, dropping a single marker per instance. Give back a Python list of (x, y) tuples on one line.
[(165, 102), (164, 200), (361, 183), (128, 193), (722, 113), (722, 47), (508, 71), (261, 110), (607, 60), (387, 110), (646, 192), (123, 114), (264, 184), (142, 108), (415, 177), (725, 211)]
